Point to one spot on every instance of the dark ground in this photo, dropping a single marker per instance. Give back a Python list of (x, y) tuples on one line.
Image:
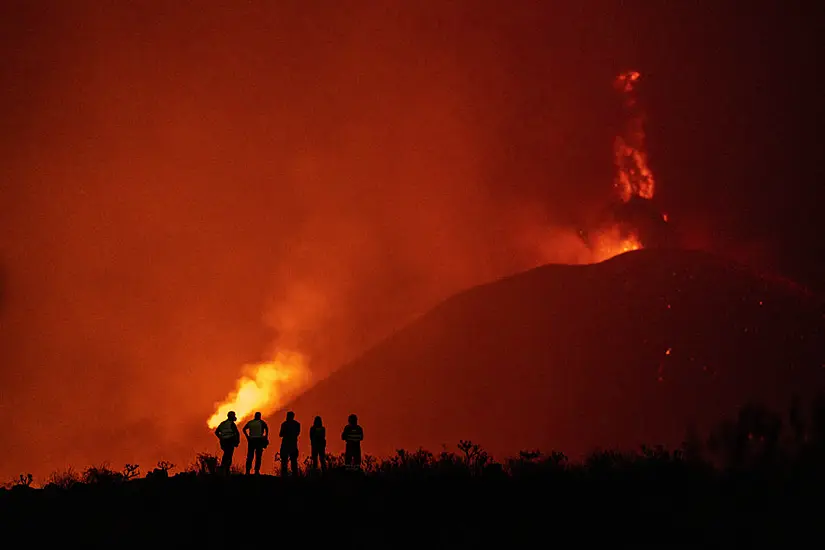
[(659, 499)]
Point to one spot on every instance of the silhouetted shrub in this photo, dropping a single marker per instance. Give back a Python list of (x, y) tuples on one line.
[(64, 479), (369, 463), (404, 462), (22, 481), (334, 461), (101, 475), (205, 464), (161, 471), (165, 466), (131, 471), (475, 458)]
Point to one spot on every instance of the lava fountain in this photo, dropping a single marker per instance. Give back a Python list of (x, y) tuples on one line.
[(265, 387), (635, 184)]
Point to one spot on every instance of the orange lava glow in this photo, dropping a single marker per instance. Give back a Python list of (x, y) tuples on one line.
[(611, 243), (265, 387), (633, 175)]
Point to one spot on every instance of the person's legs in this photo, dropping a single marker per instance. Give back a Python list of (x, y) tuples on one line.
[(250, 452), (226, 460), (357, 457), (259, 455), (352, 457), (284, 461)]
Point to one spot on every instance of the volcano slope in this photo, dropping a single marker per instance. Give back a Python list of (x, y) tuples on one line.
[(630, 351)]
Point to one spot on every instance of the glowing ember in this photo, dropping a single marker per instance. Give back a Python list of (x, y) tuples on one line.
[(265, 387)]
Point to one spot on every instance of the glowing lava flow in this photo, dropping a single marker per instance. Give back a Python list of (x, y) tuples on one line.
[(266, 387)]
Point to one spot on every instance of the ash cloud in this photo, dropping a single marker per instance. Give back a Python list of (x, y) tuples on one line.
[(190, 187)]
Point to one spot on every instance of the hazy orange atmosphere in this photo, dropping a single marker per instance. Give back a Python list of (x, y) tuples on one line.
[(190, 189)]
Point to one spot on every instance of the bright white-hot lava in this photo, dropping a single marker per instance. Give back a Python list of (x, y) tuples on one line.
[(265, 387)]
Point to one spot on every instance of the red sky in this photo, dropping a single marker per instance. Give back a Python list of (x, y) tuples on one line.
[(185, 185)]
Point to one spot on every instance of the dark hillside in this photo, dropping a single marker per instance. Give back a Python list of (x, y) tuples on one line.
[(631, 350)]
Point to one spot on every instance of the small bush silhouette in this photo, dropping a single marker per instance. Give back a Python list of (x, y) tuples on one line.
[(161, 471), (102, 475), (131, 471), (475, 458), (205, 464), (165, 465), (64, 479), (23, 481)]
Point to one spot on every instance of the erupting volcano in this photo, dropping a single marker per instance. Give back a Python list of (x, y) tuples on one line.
[(616, 352), (623, 227), (635, 347)]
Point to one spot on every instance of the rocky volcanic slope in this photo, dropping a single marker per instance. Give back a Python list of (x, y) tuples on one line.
[(628, 351)]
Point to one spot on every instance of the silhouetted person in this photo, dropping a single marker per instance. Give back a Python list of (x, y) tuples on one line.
[(353, 434), (229, 436), (290, 430), (318, 440), (257, 439)]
